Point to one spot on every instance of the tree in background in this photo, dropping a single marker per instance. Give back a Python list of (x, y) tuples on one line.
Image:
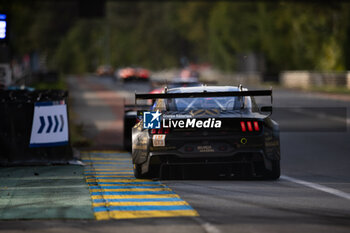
[(290, 35), (309, 36)]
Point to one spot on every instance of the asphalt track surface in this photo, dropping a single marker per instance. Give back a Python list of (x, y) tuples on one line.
[(312, 195)]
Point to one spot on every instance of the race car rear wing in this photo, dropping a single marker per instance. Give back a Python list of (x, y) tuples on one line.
[(204, 94), (137, 106)]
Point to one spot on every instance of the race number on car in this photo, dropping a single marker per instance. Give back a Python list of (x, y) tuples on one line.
[(159, 140)]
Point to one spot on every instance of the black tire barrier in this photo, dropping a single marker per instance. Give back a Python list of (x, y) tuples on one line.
[(16, 119), (26, 96)]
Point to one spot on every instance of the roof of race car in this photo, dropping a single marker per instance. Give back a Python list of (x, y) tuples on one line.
[(184, 80), (204, 89), (246, 112)]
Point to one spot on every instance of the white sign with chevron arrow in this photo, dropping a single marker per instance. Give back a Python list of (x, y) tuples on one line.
[(50, 125)]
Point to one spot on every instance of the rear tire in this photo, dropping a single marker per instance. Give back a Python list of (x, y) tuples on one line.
[(137, 172), (275, 173)]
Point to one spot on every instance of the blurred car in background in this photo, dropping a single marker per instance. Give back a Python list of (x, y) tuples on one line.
[(188, 73), (104, 70), (176, 82), (184, 82), (131, 73)]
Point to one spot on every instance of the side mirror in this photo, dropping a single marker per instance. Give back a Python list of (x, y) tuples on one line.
[(266, 109)]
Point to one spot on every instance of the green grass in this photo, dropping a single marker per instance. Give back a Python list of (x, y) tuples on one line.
[(60, 84), (77, 137)]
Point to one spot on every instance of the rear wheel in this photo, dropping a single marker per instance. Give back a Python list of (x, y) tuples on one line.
[(137, 172), (275, 173), (153, 172)]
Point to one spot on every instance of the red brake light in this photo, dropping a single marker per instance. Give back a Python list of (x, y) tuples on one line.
[(243, 126), (256, 126), (160, 131), (249, 124)]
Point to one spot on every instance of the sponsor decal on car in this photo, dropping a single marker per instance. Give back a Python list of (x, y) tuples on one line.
[(155, 120), (158, 140), (151, 120), (206, 148), (192, 123)]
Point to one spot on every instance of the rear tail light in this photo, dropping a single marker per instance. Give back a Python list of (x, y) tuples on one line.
[(250, 126), (256, 126), (243, 126), (160, 131), (167, 130)]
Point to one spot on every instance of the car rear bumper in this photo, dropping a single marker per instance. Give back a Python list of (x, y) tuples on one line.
[(217, 147), (239, 156), (253, 162)]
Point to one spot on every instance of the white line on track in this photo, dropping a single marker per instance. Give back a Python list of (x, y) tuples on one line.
[(208, 227), (319, 187)]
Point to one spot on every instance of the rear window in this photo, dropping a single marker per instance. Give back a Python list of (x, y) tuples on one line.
[(220, 103)]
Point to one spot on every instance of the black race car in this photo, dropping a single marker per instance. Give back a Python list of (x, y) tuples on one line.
[(211, 126), (130, 119), (130, 110)]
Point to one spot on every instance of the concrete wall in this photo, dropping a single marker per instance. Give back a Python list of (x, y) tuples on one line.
[(306, 79), (295, 79), (300, 79)]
